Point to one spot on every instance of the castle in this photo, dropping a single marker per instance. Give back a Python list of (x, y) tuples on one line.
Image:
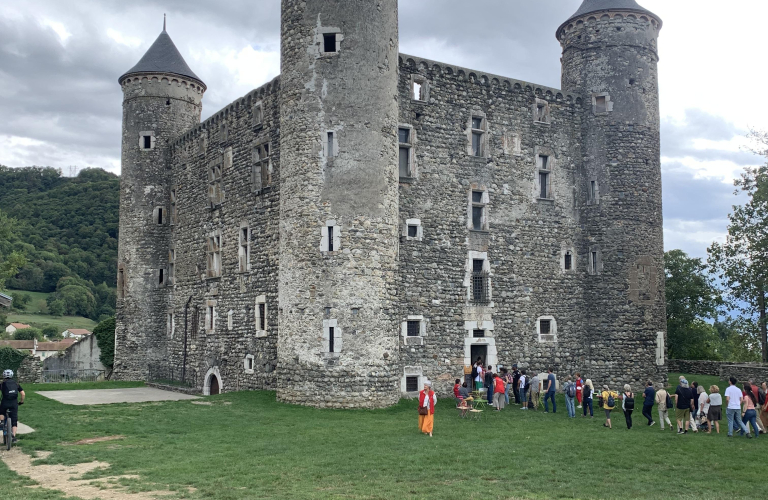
[(370, 219)]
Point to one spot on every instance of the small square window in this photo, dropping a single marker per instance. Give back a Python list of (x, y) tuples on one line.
[(543, 161), (545, 326), (477, 196), (414, 328), (478, 334), (477, 123), (411, 384), (147, 142), (413, 231)]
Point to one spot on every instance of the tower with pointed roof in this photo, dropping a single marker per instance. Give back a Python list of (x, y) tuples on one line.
[(162, 98), (610, 59)]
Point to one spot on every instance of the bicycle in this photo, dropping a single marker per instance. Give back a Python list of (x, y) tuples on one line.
[(7, 430)]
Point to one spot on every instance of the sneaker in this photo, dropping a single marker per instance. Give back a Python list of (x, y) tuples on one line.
[(679, 431), (578, 406), (15, 440), (685, 432), (652, 424), (749, 436)]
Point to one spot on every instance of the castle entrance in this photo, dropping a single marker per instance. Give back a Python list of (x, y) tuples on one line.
[(479, 351), (214, 385)]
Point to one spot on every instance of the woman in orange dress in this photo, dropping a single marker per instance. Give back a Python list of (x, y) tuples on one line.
[(427, 401)]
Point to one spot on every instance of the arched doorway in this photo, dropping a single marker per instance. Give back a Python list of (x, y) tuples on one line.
[(213, 384)]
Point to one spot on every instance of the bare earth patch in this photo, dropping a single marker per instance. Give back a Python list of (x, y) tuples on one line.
[(94, 440), (66, 478)]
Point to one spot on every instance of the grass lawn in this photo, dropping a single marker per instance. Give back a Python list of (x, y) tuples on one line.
[(60, 322), (37, 305), (246, 445)]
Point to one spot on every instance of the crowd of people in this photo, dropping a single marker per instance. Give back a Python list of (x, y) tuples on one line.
[(694, 408)]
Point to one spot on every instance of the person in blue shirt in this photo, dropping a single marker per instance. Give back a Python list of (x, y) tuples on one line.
[(550, 391), (650, 396)]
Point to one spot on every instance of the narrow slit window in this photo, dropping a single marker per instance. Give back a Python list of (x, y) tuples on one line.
[(544, 185), (262, 317), (161, 276), (593, 190), (171, 266), (211, 317), (244, 251), (568, 261), (404, 138), (330, 238), (147, 142), (159, 216), (331, 334), (543, 162), (329, 43), (330, 144), (594, 262), (478, 136), (173, 214)]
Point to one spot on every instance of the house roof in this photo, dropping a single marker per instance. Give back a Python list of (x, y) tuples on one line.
[(20, 326), (163, 57), (18, 344), (52, 346), (5, 298), (79, 331), (69, 341)]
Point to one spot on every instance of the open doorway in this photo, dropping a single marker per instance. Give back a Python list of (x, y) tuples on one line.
[(212, 384), (479, 351)]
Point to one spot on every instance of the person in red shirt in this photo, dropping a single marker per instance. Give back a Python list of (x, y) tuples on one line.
[(456, 387), (579, 388), (427, 400), (499, 390)]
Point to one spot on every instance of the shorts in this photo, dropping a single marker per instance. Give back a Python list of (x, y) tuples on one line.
[(683, 415), (14, 413), (715, 413), (608, 413)]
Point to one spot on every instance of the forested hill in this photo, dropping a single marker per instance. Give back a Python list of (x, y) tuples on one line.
[(65, 226)]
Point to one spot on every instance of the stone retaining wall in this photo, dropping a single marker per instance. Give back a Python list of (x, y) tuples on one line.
[(695, 366), (722, 369), (743, 373), (30, 371)]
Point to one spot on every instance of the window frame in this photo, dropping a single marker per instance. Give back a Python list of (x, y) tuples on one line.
[(482, 132), (546, 171), (249, 359), (172, 265), (261, 304), (608, 104), (332, 348), (413, 223), (210, 316), (417, 79), (215, 181), (261, 166), (214, 245), (550, 337), (330, 245), (142, 140), (410, 147), (320, 40), (243, 248), (483, 205)]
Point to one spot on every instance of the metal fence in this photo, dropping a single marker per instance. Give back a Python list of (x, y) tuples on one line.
[(88, 375), (172, 375)]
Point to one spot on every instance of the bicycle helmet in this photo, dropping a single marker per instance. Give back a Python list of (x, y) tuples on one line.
[(8, 374)]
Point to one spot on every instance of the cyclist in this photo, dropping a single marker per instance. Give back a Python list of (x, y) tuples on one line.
[(10, 392)]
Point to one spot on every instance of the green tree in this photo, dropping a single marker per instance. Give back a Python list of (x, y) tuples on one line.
[(105, 338), (741, 262), (51, 332), (13, 260), (56, 308), (692, 299), (27, 334), (20, 300)]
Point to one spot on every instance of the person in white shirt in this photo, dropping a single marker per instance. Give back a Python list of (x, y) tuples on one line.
[(733, 397), (703, 406), (715, 413), (521, 390)]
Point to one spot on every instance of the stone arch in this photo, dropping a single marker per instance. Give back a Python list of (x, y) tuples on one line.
[(214, 376)]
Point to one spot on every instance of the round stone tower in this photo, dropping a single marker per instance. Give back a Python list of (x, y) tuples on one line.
[(610, 60), (162, 98), (338, 344)]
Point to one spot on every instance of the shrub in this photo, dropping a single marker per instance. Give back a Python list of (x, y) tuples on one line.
[(105, 338)]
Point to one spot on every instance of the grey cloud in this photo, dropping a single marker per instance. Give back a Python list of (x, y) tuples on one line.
[(689, 198)]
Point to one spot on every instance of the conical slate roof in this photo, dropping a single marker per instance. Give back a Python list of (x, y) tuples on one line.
[(162, 57), (590, 6)]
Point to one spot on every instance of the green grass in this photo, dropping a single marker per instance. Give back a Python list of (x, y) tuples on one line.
[(37, 305), (254, 447), (60, 322)]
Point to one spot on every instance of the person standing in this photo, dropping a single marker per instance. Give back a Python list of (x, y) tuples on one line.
[(489, 384), (477, 370), (456, 387), (550, 391), (756, 393), (570, 395), (703, 407), (515, 383), (733, 400), (750, 414), (763, 400), (609, 403), (579, 389), (694, 406), (427, 402), (683, 404), (499, 391), (522, 389), (715, 413), (509, 384), (662, 400), (586, 397), (649, 396), (628, 404), (535, 391)]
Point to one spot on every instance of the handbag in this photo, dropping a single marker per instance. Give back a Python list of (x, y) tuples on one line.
[(424, 410)]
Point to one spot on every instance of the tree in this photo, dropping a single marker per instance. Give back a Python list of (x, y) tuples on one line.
[(11, 263), (27, 334), (51, 332), (741, 261), (56, 308), (105, 338), (20, 300), (692, 299)]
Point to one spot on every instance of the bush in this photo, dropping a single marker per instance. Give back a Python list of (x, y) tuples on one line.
[(27, 334), (56, 308), (105, 338), (10, 359), (51, 332)]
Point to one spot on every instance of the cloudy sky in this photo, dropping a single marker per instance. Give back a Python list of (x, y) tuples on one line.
[(60, 104)]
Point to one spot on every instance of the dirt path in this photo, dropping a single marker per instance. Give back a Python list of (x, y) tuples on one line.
[(66, 478)]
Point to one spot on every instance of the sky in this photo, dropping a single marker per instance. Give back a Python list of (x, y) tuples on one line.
[(60, 103)]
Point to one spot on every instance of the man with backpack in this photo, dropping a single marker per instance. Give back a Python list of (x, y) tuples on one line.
[(570, 396), (609, 403), (649, 396), (11, 391)]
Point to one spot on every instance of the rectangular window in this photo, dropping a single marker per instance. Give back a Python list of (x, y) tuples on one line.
[(173, 215), (544, 185), (545, 326), (161, 276), (171, 325), (244, 250), (594, 261), (478, 136), (404, 138), (121, 283), (411, 384), (480, 283), (211, 317), (331, 334), (601, 104), (479, 213), (214, 256), (568, 261), (249, 363), (330, 145), (478, 334), (329, 43), (543, 162), (414, 328), (330, 238), (262, 317), (413, 231), (258, 114), (592, 190), (160, 216), (417, 91), (147, 142), (541, 112), (260, 175), (171, 266), (215, 194)]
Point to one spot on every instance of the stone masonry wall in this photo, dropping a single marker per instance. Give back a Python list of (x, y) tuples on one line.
[(695, 366)]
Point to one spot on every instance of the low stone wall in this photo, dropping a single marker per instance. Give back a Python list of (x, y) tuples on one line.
[(743, 373), (30, 371), (695, 367)]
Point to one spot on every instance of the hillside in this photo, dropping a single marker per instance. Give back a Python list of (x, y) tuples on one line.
[(66, 228)]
